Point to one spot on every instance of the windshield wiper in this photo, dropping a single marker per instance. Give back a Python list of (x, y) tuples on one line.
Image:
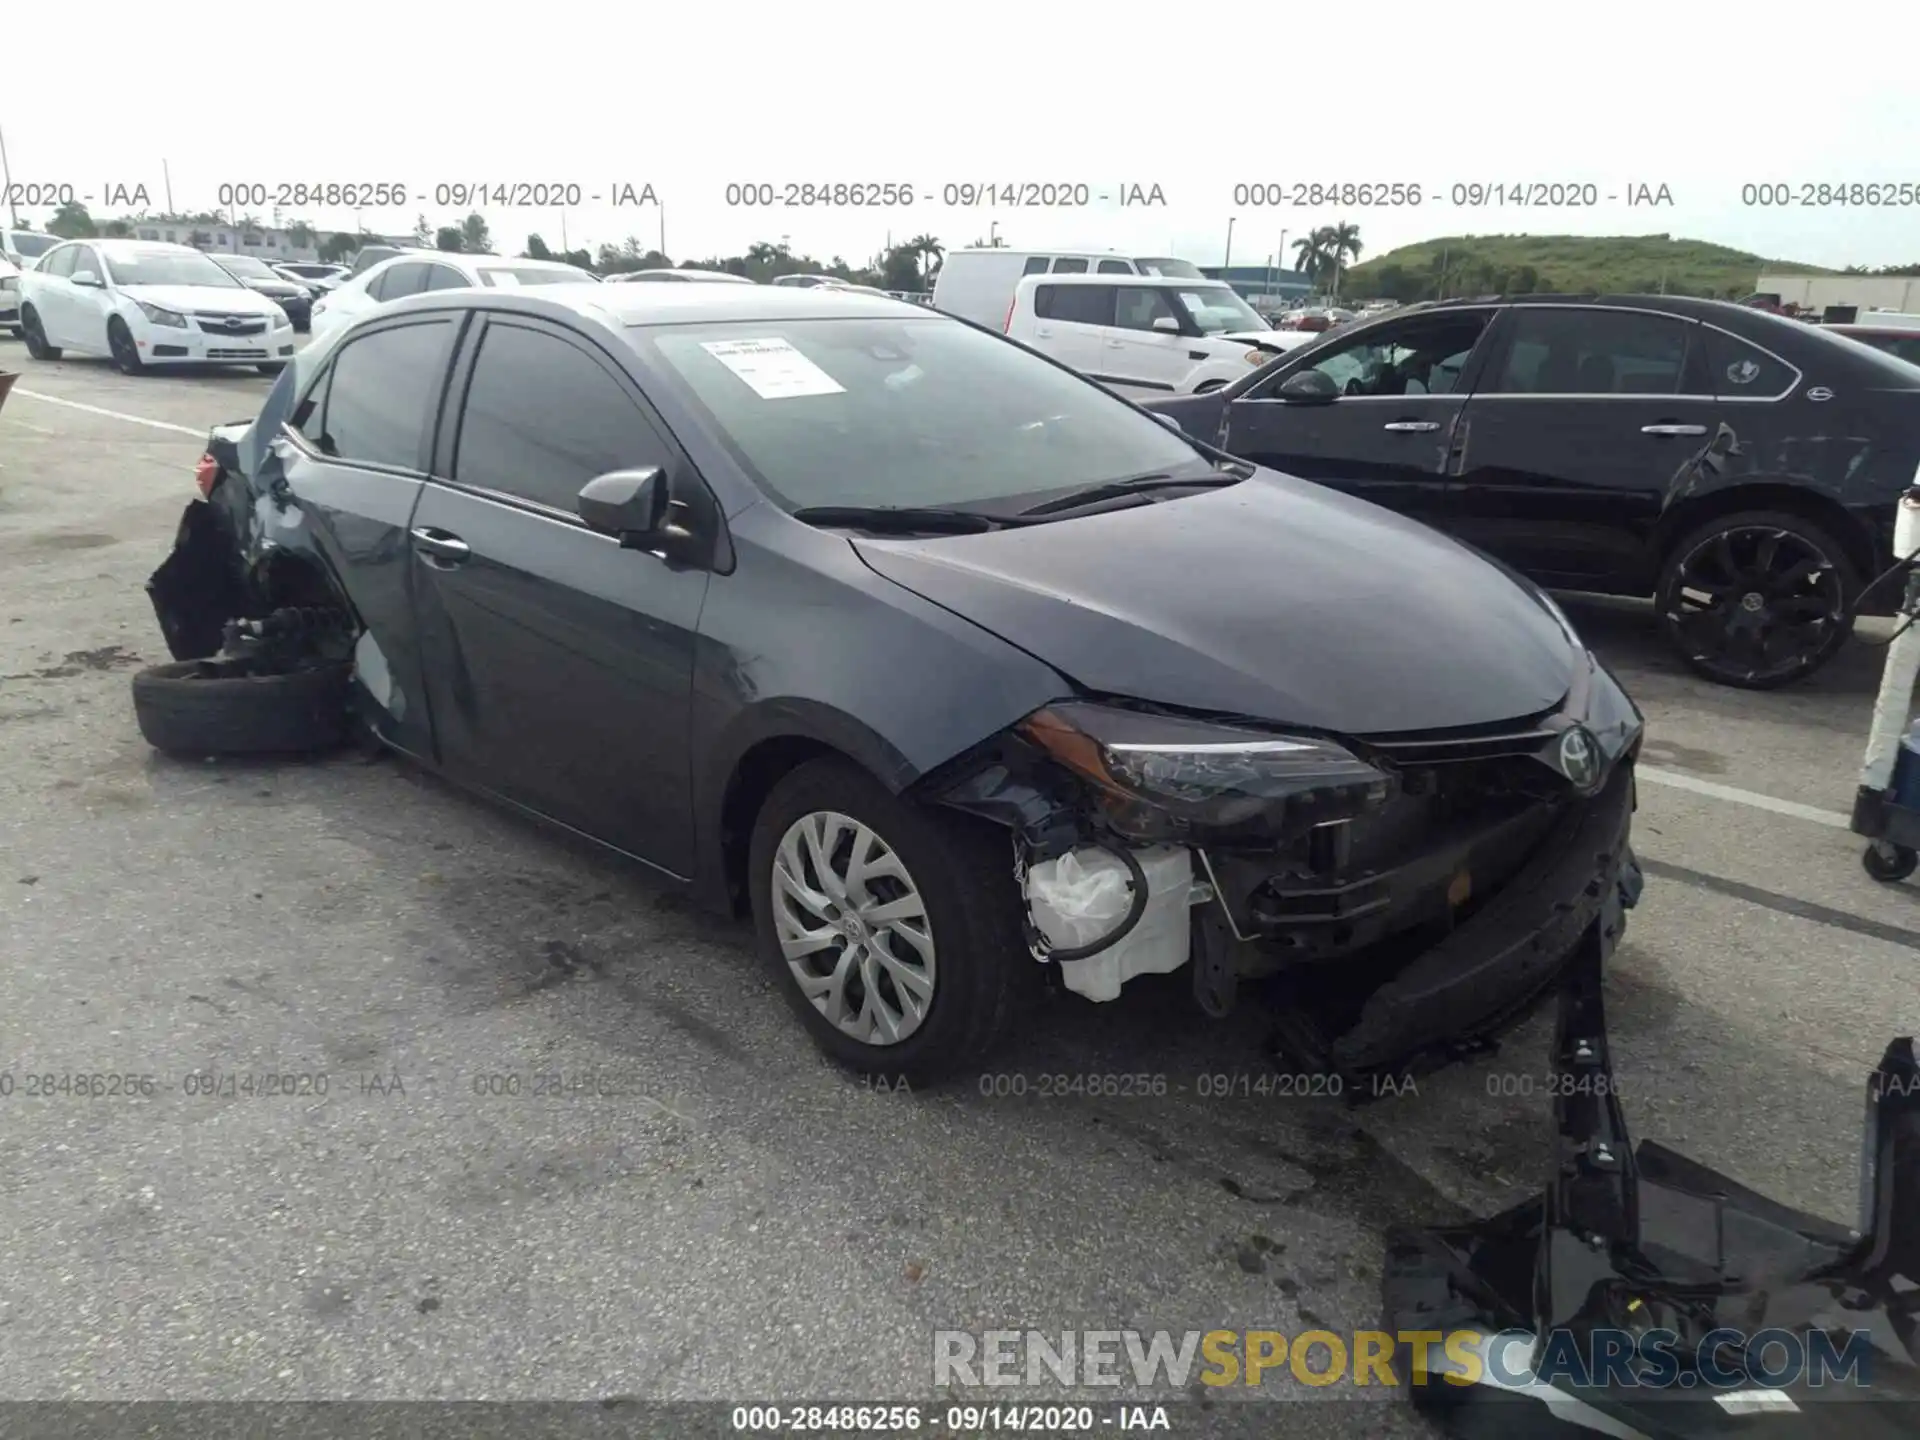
[(1093, 494), (903, 519)]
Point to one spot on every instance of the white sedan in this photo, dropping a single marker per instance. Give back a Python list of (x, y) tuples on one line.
[(146, 304), (411, 272), (9, 298)]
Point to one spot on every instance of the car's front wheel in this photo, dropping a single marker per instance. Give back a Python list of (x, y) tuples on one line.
[(894, 928), (126, 354), (35, 335), (1757, 599)]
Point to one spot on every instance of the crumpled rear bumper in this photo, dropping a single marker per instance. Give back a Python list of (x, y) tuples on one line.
[(1643, 1294)]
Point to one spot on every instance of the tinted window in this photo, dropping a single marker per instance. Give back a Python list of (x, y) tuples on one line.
[(1414, 357), (1069, 267), (1138, 307), (27, 245), (1593, 352), (543, 418), (383, 388), (1115, 267), (445, 277), (911, 409), (59, 262), (370, 256), (1081, 304), (1036, 265), (407, 279), (1738, 369), (1171, 269), (1904, 347)]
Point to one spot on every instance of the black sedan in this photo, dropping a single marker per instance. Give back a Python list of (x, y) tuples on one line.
[(262, 279), (1740, 468), (937, 657)]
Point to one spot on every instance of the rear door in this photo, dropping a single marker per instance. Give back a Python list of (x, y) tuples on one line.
[(1402, 386), (559, 664), (1588, 418), (355, 454), (1072, 323)]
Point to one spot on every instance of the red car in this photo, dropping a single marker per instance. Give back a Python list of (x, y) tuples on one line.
[(1896, 340)]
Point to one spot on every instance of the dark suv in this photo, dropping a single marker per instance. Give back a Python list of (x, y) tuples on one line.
[(1739, 467)]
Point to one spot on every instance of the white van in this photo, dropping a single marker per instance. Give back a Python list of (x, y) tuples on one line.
[(1145, 332), (977, 284)]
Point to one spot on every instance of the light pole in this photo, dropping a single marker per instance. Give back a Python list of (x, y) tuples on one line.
[(993, 233), (1226, 261), (6, 178)]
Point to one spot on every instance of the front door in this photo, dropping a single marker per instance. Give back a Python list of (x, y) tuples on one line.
[(1153, 343), (1588, 419), (1386, 436), (559, 665)]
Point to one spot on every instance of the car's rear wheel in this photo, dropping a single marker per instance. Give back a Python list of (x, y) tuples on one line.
[(35, 334), (220, 707), (126, 355), (894, 929), (1757, 599)]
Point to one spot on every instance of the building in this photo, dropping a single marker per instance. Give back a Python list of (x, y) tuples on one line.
[(1263, 286), (269, 244), (1818, 294)]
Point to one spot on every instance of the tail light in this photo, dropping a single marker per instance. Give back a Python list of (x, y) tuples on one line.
[(1006, 326), (205, 473)]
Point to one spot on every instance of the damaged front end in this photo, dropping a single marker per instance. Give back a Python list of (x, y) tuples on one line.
[(1407, 897), (1642, 1294)]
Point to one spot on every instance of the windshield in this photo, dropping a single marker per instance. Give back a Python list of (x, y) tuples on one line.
[(510, 275), (1171, 269), (913, 410), (167, 267), (245, 266), (1217, 309), (28, 245)]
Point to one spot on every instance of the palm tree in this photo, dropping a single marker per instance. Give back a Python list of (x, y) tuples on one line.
[(929, 251), (1340, 243), (1310, 256)]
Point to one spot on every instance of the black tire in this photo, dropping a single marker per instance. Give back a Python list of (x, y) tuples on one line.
[(35, 334), (272, 369), (1716, 641), (211, 707), (1888, 863), (126, 355), (963, 869)]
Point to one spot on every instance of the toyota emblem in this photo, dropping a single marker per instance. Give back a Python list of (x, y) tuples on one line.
[(1579, 758)]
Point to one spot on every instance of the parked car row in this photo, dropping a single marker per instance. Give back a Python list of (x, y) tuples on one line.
[(411, 272)]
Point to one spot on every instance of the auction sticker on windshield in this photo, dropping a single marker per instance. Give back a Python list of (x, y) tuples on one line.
[(774, 369)]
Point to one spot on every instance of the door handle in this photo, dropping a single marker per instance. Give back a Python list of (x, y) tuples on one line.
[(440, 545), (1045, 332), (1412, 427), (1673, 429)]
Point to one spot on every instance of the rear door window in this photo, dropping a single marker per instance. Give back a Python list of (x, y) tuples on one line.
[(1036, 265), (1116, 267), (1076, 304), (383, 391), (1587, 351), (409, 278), (1069, 267)]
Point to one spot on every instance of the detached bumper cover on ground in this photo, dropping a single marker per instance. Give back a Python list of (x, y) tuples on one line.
[(1645, 1295)]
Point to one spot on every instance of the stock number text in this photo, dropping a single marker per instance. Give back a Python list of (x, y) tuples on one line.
[(1362, 194), (808, 194), (1861, 194), (341, 194)]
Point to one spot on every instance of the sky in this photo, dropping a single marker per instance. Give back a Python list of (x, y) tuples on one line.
[(1192, 104)]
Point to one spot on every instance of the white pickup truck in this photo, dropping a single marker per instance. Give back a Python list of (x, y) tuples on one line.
[(1142, 333)]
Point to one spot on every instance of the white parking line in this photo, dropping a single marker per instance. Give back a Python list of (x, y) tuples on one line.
[(1678, 781), (113, 414)]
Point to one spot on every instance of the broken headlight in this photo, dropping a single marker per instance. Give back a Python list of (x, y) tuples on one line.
[(1164, 777)]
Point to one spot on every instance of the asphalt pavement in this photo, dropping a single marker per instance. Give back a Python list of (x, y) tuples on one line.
[(542, 1131)]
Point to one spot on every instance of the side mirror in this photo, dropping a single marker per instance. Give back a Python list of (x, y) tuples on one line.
[(86, 277), (1166, 324), (626, 504), (1308, 387)]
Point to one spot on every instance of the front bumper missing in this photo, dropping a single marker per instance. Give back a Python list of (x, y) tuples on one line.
[(1642, 1294), (1490, 972)]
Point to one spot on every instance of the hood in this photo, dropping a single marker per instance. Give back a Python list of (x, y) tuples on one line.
[(1273, 599), (236, 301), (1279, 341)]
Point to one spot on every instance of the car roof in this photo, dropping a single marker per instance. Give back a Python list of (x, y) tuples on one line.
[(1164, 282), (120, 245), (623, 305)]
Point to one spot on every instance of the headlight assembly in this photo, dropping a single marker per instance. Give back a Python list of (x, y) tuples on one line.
[(1164, 777), (155, 315)]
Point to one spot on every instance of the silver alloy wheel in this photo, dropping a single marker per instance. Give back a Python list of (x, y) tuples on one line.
[(853, 928)]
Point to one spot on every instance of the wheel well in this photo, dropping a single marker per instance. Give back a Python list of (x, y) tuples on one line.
[(1829, 515), (759, 770)]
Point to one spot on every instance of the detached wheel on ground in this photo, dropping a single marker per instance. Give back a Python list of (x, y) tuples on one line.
[(1757, 599), (214, 707), (35, 335), (894, 929)]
